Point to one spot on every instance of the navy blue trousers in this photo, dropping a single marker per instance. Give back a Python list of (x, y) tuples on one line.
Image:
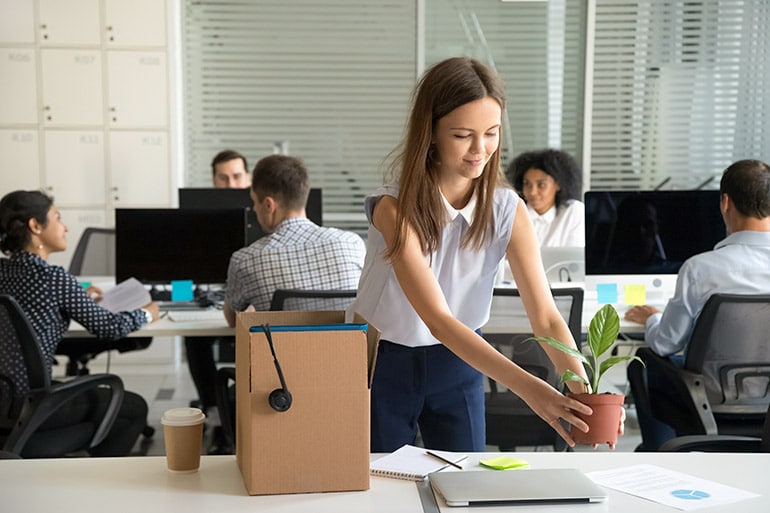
[(430, 388)]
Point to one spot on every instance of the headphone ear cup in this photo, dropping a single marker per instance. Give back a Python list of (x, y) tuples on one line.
[(280, 399)]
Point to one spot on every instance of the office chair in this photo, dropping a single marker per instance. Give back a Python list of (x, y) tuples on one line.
[(94, 256), (721, 443), (226, 402), (28, 398), (510, 421), (282, 298), (295, 299), (725, 381)]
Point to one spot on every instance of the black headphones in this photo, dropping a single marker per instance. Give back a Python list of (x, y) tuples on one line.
[(280, 398)]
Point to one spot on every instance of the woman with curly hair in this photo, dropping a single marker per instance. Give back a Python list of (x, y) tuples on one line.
[(550, 183)]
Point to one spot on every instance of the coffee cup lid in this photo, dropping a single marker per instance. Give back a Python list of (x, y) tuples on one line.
[(182, 417)]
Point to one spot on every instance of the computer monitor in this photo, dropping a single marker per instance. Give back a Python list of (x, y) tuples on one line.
[(157, 246), (643, 237), (209, 197)]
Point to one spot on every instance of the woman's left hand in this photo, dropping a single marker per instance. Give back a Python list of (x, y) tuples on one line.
[(94, 293)]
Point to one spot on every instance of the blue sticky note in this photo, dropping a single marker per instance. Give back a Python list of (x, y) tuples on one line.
[(606, 293), (182, 290)]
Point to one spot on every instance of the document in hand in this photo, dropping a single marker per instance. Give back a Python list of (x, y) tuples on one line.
[(126, 295), (415, 463)]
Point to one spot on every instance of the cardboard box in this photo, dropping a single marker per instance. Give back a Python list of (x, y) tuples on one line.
[(321, 443)]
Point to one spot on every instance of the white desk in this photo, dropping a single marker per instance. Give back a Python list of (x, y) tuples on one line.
[(131, 485), (168, 328)]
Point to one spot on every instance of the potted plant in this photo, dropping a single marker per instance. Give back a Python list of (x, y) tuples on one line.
[(607, 407)]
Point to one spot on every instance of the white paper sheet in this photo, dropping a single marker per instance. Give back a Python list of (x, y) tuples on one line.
[(126, 295), (664, 486)]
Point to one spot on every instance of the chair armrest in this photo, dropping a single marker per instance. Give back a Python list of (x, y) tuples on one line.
[(40, 404), (689, 385), (712, 443)]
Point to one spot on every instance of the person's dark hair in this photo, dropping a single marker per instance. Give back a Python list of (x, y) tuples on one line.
[(284, 178), (16, 209), (444, 87), (747, 182), (558, 164), (227, 156)]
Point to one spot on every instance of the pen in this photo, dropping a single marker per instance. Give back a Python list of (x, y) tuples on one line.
[(455, 465)]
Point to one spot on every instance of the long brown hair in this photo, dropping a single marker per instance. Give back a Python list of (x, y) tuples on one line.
[(444, 87)]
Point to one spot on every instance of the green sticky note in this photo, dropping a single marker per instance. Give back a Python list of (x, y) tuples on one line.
[(85, 284), (636, 295), (504, 463)]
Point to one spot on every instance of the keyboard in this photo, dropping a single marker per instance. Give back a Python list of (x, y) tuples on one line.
[(202, 314)]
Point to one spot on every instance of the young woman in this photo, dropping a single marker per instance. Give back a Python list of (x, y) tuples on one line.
[(30, 230), (436, 237), (550, 182)]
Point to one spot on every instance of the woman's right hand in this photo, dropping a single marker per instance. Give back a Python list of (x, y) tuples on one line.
[(154, 309)]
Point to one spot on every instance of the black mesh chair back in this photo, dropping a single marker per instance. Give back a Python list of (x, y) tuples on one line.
[(510, 422), (730, 347), (312, 300), (724, 387), (28, 397), (95, 253)]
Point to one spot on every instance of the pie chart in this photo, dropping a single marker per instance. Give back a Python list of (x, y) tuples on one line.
[(690, 495)]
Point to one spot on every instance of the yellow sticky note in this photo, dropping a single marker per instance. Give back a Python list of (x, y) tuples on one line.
[(504, 463), (636, 295)]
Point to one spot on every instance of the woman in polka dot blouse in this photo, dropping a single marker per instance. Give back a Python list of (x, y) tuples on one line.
[(30, 230)]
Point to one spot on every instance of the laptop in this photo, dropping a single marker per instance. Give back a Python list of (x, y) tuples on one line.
[(515, 487)]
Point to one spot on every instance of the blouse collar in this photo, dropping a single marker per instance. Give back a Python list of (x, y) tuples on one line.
[(468, 212)]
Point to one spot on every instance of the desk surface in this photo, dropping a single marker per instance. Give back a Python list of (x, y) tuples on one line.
[(142, 484), (167, 328), (502, 320)]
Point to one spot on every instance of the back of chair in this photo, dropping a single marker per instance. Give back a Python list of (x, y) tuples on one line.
[(730, 347), (317, 300), (22, 361), (95, 253), (510, 422), (569, 301)]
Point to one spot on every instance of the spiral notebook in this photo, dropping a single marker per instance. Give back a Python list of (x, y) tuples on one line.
[(414, 463)]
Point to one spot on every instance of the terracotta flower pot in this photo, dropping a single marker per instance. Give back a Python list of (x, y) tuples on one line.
[(604, 421)]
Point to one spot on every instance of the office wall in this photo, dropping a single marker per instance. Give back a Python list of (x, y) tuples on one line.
[(86, 103)]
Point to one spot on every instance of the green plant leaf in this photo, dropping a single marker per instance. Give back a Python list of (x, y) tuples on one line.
[(568, 375), (562, 347), (603, 330)]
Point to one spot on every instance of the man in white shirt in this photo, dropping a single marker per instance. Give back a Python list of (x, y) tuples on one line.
[(738, 265)]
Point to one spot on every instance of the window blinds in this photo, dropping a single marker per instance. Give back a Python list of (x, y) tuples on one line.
[(681, 90), (330, 80), (537, 47)]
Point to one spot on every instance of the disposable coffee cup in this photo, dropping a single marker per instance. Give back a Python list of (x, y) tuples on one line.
[(183, 434)]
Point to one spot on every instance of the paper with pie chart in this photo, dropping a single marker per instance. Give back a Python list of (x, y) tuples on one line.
[(675, 489)]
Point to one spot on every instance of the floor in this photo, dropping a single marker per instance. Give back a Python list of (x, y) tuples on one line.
[(164, 381)]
